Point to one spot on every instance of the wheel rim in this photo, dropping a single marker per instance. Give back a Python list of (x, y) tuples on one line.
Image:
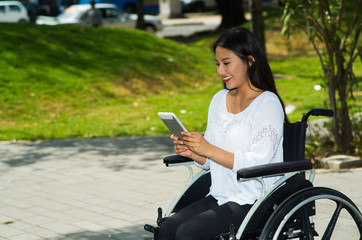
[(313, 217), (340, 202)]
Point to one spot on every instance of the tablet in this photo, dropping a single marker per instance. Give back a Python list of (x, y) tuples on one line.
[(172, 123)]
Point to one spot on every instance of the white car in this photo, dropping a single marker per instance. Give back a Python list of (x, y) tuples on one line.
[(112, 16), (13, 12)]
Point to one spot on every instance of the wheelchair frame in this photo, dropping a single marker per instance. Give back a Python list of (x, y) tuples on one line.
[(296, 203)]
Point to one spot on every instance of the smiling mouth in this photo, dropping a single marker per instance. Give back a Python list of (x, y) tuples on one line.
[(226, 79)]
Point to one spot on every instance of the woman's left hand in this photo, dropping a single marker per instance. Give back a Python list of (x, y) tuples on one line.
[(196, 143)]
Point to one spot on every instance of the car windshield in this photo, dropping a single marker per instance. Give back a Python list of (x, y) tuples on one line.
[(70, 12)]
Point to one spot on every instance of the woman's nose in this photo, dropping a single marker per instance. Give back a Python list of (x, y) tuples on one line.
[(220, 70)]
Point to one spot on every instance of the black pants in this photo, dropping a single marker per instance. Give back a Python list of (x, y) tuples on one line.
[(203, 220)]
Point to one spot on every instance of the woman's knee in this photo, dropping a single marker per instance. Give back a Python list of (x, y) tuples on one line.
[(187, 231)]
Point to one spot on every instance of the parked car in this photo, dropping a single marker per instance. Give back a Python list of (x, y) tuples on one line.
[(112, 16), (13, 12), (197, 5), (130, 6)]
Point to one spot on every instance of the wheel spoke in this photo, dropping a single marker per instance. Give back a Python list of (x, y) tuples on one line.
[(306, 226), (332, 223)]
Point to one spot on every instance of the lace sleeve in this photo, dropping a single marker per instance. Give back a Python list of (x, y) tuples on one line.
[(265, 139), (267, 132)]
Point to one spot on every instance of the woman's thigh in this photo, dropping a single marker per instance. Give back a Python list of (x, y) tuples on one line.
[(169, 227), (212, 222)]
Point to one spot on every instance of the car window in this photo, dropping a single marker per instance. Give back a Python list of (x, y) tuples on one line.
[(109, 12), (14, 8), (103, 12), (113, 12), (2, 9), (84, 16)]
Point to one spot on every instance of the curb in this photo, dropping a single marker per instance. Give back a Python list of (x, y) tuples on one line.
[(339, 162)]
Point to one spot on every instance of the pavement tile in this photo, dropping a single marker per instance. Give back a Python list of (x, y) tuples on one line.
[(7, 231), (41, 232), (20, 225), (18, 203), (90, 226), (117, 223), (14, 212), (61, 228), (26, 236), (49, 203), (37, 220), (85, 214)]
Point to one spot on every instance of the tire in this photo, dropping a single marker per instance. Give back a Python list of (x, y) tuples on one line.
[(323, 198), (150, 29)]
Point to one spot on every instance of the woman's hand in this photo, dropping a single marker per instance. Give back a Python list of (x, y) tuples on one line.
[(196, 143), (180, 148), (195, 146)]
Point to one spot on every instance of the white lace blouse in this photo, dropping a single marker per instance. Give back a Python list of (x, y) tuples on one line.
[(254, 136)]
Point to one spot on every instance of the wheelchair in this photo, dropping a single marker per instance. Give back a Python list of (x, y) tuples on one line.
[(286, 210)]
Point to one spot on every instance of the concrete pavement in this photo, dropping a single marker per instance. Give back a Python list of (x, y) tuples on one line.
[(100, 188), (189, 25), (193, 19)]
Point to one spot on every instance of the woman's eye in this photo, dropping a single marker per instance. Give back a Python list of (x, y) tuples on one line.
[(226, 63)]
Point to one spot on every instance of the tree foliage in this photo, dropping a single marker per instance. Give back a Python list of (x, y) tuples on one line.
[(333, 28)]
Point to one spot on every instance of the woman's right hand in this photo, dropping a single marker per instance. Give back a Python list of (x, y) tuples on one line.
[(180, 148)]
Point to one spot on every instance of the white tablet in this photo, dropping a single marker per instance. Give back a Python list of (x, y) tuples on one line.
[(172, 123)]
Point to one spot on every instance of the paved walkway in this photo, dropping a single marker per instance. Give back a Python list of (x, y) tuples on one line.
[(99, 188)]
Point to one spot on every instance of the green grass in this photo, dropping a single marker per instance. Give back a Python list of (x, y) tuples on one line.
[(74, 82), (71, 82)]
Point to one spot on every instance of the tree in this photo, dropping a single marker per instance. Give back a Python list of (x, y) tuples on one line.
[(257, 21), (232, 13), (333, 28), (140, 15)]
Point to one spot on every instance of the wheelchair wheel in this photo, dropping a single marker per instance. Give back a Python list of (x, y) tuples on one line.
[(336, 217)]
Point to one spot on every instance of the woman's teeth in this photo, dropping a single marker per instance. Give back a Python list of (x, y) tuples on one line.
[(226, 79)]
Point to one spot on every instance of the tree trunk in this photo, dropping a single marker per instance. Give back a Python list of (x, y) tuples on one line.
[(232, 13), (342, 127), (345, 138), (257, 21), (140, 15), (176, 9)]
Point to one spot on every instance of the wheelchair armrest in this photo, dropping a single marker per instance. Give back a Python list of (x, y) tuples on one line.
[(176, 159), (273, 169)]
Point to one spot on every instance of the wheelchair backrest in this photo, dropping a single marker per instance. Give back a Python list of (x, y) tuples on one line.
[(294, 141)]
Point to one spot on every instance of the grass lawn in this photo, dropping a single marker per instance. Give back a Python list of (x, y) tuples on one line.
[(76, 82)]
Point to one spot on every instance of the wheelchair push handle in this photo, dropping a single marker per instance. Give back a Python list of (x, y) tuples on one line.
[(318, 112)]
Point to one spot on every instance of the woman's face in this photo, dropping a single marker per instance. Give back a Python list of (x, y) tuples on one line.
[(231, 68)]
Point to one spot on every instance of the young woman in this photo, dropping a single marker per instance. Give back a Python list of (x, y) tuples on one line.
[(244, 129)]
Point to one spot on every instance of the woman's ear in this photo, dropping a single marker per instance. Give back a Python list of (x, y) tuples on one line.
[(251, 60)]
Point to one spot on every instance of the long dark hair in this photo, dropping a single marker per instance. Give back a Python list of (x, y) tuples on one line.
[(244, 44)]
